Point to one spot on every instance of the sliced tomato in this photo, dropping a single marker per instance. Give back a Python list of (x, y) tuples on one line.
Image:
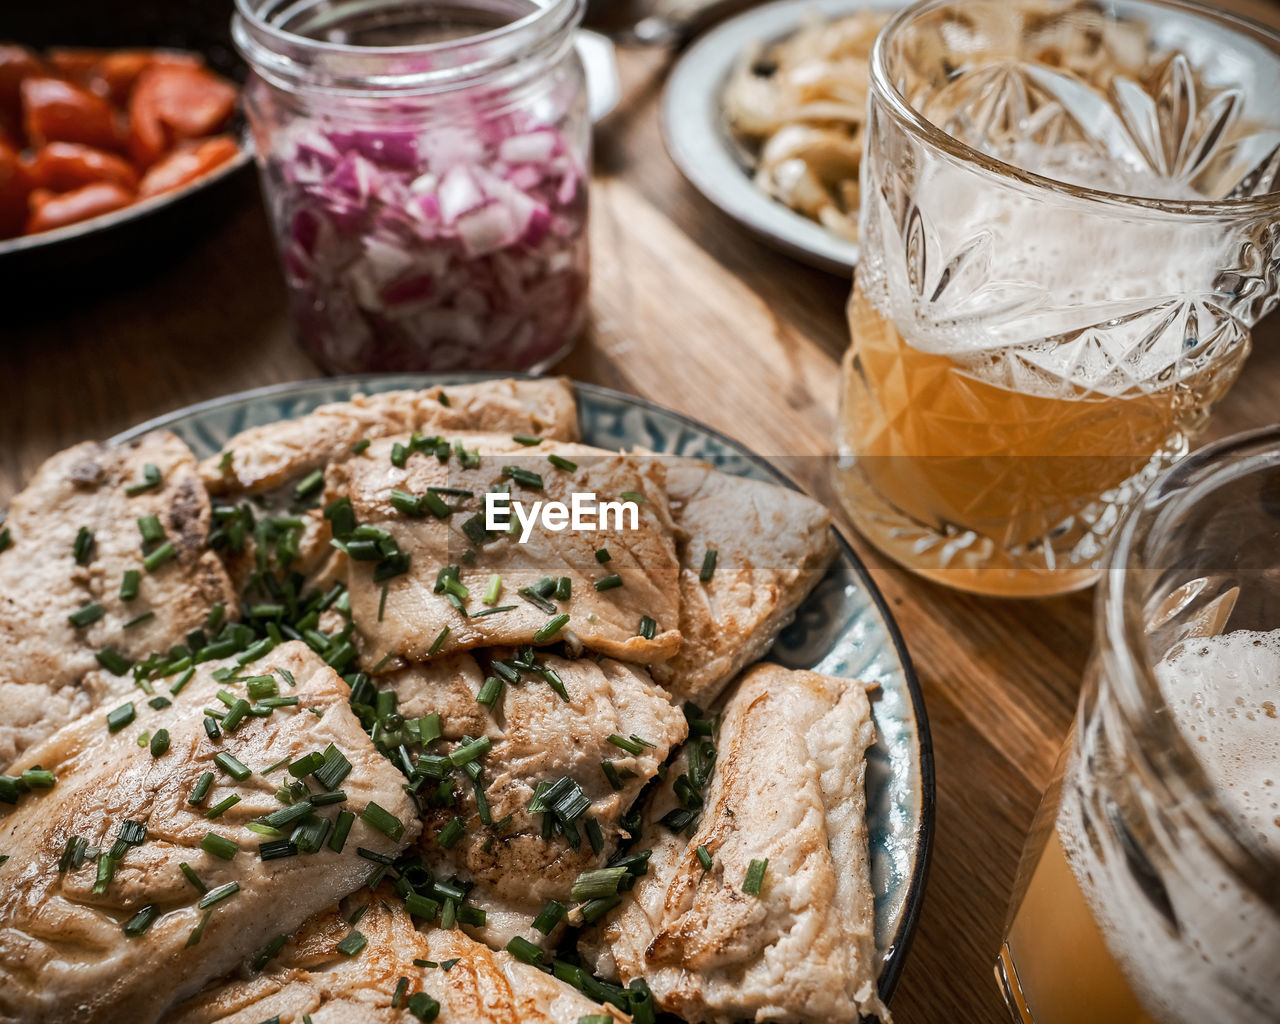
[(51, 210), (188, 162), (76, 64), (15, 187), (16, 64), (63, 166), (173, 103), (119, 72), (54, 110)]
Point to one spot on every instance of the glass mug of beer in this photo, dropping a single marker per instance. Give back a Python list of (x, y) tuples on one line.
[(1070, 222), (1150, 887)]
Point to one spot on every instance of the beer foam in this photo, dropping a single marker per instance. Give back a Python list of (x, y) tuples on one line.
[(1223, 692)]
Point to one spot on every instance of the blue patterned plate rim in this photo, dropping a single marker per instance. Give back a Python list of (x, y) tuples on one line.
[(895, 951)]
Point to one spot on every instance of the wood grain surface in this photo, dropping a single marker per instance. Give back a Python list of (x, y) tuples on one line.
[(691, 311)]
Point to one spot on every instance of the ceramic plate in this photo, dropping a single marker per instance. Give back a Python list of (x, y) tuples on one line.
[(698, 138), (844, 628)]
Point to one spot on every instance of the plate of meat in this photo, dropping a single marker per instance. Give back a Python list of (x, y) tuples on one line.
[(297, 730)]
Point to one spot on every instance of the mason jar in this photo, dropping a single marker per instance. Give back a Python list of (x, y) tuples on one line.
[(425, 164), (1150, 888)]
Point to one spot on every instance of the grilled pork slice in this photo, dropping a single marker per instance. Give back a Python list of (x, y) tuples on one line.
[(386, 982), (265, 458), (418, 617), (787, 788), (49, 674), (538, 738), (772, 547), (67, 948)]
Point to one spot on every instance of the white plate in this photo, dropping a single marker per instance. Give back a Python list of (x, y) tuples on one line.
[(698, 139)]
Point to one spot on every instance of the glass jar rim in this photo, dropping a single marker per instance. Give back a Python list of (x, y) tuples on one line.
[(1120, 619), (290, 57), (882, 85)]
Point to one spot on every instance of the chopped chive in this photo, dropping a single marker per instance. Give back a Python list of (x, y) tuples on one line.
[(106, 870), (338, 796), (639, 499), (150, 480), (129, 584), (630, 746), (595, 1018), (609, 582), (598, 884), (6, 539), (490, 691), (219, 846), (211, 727), (603, 556), (288, 815), (309, 485), (159, 556), (217, 895), (361, 446), (231, 766), (38, 778), (492, 590), (268, 953), (475, 530), (406, 504), (704, 858), (82, 550), (216, 614), (470, 751), (527, 440), (194, 938), (141, 921), (493, 611), (754, 881), (424, 1007), (277, 849), (235, 714), (399, 455), (539, 601), (341, 830), (524, 950), (560, 462), (524, 477), (201, 789), (113, 661), (434, 504), (564, 588), (648, 628), (708, 565), (438, 642), (378, 817), (402, 986), (306, 764), (87, 615), (611, 773), (193, 878), (334, 769), (451, 833), (144, 738), (138, 620), (160, 743), (552, 627), (151, 530), (120, 717), (352, 944), (222, 805), (552, 914)]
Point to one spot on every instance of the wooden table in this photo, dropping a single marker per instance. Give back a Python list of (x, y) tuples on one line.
[(693, 312)]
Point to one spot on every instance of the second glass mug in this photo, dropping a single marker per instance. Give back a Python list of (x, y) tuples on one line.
[(1031, 343), (1150, 887)]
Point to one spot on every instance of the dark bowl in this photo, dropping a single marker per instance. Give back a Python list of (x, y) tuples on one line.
[(153, 231)]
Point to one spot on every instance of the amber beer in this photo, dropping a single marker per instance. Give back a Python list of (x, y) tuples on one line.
[(974, 482)]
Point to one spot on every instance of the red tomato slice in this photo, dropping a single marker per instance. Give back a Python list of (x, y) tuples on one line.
[(54, 110), (187, 163), (173, 103), (16, 63), (63, 166), (15, 187), (119, 72), (50, 210)]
